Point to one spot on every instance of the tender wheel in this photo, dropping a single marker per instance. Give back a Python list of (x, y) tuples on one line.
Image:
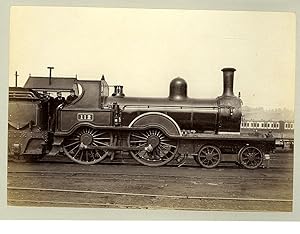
[(157, 149), (209, 156), (75, 145), (250, 157)]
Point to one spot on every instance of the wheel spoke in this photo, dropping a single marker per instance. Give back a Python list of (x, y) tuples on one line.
[(101, 143), (146, 135), (140, 137), (76, 153), (73, 143), (163, 154), (72, 150), (74, 139), (103, 138), (99, 134), (81, 155), (138, 141), (163, 143)]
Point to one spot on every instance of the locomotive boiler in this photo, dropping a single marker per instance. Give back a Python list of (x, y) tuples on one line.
[(218, 115), (154, 131)]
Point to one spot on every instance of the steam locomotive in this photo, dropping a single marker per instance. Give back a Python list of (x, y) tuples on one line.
[(154, 131)]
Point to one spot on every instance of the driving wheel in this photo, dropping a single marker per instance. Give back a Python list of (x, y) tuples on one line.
[(76, 146), (155, 148)]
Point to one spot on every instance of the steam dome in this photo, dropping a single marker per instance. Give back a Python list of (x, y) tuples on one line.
[(178, 89)]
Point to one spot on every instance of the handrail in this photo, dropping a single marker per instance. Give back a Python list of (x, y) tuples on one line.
[(179, 107)]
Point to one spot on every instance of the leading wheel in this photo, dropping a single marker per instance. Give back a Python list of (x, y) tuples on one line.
[(209, 156), (250, 157), (76, 146), (156, 148)]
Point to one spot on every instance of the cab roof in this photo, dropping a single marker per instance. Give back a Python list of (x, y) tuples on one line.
[(57, 83)]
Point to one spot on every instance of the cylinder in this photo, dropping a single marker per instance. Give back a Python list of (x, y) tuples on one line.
[(228, 75)]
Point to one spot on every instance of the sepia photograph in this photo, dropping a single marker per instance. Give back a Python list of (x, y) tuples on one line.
[(152, 109)]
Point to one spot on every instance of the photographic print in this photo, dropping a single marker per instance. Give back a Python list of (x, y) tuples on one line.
[(151, 109)]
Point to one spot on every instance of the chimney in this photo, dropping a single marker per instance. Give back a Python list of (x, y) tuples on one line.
[(228, 74)]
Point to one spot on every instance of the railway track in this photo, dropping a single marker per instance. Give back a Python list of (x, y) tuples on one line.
[(225, 188), (137, 176), (177, 201)]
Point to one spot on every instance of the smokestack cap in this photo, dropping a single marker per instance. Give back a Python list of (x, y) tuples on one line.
[(225, 69)]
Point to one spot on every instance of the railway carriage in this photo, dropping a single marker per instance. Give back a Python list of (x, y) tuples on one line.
[(154, 131), (282, 131)]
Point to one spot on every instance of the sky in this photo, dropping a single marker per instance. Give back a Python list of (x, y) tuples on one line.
[(144, 49)]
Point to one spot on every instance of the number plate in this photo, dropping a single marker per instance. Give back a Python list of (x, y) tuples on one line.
[(85, 116)]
